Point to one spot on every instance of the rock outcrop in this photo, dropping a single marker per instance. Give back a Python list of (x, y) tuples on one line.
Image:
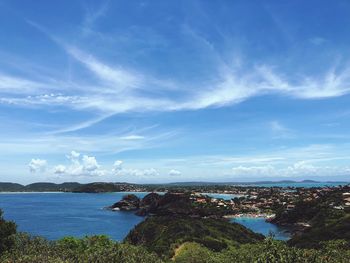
[(128, 203)]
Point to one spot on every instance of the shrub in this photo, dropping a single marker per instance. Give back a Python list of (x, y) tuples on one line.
[(7, 230)]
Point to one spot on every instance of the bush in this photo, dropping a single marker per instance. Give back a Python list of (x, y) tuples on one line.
[(7, 230), (96, 249)]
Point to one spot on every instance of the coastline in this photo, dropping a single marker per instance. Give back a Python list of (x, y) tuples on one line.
[(251, 215)]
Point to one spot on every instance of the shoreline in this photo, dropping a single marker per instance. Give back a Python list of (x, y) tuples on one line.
[(250, 215)]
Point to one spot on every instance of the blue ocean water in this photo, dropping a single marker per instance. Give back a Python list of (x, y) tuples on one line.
[(259, 225), (223, 196), (55, 215)]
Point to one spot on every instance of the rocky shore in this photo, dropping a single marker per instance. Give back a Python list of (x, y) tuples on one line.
[(177, 204)]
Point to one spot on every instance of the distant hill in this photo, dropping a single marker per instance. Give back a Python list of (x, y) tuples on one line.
[(106, 187), (39, 187), (99, 187), (248, 183), (11, 187), (51, 187)]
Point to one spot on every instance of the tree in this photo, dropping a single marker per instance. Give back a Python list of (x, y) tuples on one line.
[(7, 230)]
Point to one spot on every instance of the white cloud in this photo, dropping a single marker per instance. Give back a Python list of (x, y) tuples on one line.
[(117, 166), (119, 90), (116, 88), (60, 144), (127, 172), (89, 163), (18, 85), (59, 169), (79, 166), (174, 172), (132, 137), (139, 173), (73, 155), (118, 78), (258, 171), (37, 165), (88, 166), (299, 169)]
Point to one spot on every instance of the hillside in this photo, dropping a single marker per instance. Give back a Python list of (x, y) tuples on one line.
[(162, 234), (178, 204), (39, 187), (312, 238), (10, 187), (51, 187), (322, 219), (105, 187)]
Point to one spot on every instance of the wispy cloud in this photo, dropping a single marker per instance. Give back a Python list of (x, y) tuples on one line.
[(280, 131), (17, 85), (118, 89), (104, 143), (92, 14), (300, 169), (116, 78)]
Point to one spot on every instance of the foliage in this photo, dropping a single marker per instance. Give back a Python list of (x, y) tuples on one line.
[(326, 217), (270, 250), (7, 230), (100, 249), (334, 229), (96, 249), (162, 233)]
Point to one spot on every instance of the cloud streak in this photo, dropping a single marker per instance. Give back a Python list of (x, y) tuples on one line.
[(121, 90)]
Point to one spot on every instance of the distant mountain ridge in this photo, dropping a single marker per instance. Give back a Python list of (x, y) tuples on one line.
[(98, 187), (252, 183), (39, 187)]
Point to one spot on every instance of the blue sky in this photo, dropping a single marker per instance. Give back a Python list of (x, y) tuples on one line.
[(163, 91)]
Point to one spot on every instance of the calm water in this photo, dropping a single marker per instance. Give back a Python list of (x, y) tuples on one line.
[(223, 196), (259, 225), (55, 215)]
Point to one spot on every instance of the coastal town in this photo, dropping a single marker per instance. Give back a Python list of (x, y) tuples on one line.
[(250, 201), (266, 201)]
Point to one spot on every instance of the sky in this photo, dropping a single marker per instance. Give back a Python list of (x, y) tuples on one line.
[(170, 91)]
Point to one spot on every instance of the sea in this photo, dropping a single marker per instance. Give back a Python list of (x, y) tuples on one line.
[(56, 215)]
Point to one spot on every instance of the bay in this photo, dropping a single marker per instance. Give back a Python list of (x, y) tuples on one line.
[(56, 215), (259, 225)]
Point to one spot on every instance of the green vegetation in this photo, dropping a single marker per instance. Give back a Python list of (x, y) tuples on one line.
[(312, 238), (96, 249), (186, 228), (10, 187), (105, 187), (268, 251), (100, 187), (162, 234), (7, 230), (325, 217), (197, 241), (38, 187), (179, 204), (99, 249)]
